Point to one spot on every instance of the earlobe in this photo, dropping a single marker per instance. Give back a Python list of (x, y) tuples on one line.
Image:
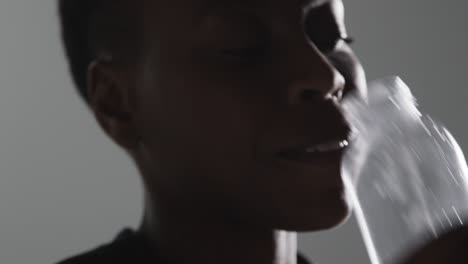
[(108, 97)]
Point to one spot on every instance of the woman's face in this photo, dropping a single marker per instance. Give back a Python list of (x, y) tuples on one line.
[(231, 96)]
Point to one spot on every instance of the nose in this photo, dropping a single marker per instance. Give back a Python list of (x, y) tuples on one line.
[(313, 77)]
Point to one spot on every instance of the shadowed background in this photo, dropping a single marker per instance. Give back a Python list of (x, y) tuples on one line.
[(66, 188)]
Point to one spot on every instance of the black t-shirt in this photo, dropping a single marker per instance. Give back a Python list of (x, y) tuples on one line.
[(129, 247)]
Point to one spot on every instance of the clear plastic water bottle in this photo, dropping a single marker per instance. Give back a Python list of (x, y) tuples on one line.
[(406, 173)]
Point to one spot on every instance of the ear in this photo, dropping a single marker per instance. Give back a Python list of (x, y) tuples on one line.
[(109, 99)]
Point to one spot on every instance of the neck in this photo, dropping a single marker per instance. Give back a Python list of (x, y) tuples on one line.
[(197, 238)]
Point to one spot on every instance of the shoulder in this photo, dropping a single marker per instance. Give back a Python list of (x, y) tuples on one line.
[(123, 249), (102, 254), (128, 248)]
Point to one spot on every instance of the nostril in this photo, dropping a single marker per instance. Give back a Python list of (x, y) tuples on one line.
[(338, 94), (310, 95)]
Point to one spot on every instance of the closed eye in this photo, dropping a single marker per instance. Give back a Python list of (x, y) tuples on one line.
[(330, 44)]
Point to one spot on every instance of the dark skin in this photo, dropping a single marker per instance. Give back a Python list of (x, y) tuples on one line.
[(222, 89)]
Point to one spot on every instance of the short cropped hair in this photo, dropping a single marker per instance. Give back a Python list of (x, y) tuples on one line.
[(93, 28)]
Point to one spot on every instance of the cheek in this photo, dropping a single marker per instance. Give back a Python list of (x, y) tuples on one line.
[(198, 127)]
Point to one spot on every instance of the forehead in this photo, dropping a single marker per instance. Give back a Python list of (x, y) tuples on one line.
[(204, 7), (260, 6), (181, 19), (260, 3)]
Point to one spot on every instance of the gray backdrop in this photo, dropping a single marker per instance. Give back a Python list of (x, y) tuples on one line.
[(65, 187)]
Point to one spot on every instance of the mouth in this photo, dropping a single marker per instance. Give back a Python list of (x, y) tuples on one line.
[(314, 152)]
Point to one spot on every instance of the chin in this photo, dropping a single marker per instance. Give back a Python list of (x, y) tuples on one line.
[(333, 221), (324, 218), (325, 222)]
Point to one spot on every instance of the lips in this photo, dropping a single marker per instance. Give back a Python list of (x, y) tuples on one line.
[(308, 152), (318, 129)]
